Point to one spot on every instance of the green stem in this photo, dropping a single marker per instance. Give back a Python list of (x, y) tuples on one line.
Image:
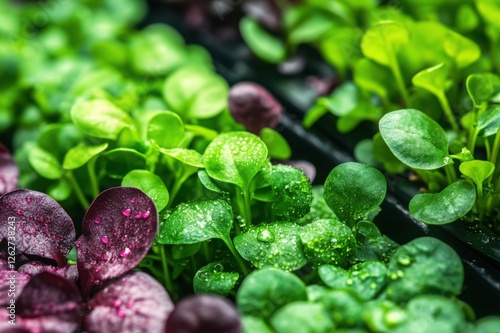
[(243, 202), (236, 255), (248, 208), (447, 111), (493, 159), (451, 174), (399, 81), (178, 182), (92, 176), (78, 190), (166, 272)]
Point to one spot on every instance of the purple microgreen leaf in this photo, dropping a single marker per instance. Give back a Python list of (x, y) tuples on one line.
[(254, 107), (9, 173), (8, 328), (38, 225), (118, 230), (11, 285), (133, 303), (49, 303), (204, 314), (69, 272)]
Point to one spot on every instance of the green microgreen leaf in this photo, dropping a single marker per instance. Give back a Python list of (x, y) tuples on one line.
[(415, 139), (265, 291), (255, 325), (189, 157), (119, 161), (489, 121), (44, 163), (424, 265), (328, 241), (272, 245), (197, 222), (447, 206), (482, 87), (165, 129), (207, 182), (211, 279), (100, 119), (235, 157), (80, 155), (433, 79), (461, 49), (477, 170), (150, 184), (310, 317), (276, 144), (262, 43), (381, 42), (352, 190)]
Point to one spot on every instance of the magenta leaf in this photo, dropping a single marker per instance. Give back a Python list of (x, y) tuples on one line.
[(118, 230), (9, 173), (204, 314), (254, 107), (49, 303), (69, 272), (36, 224), (133, 303), (8, 328), (11, 285)]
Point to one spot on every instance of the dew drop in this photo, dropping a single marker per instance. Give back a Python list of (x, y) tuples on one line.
[(132, 200), (28, 199), (146, 214), (97, 220), (218, 268), (105, 257), (265, 236), (117, 303), (125, 253), (104, 239), (403, 260), (77, 244), (120, 313), (126, 212), (19, 212)]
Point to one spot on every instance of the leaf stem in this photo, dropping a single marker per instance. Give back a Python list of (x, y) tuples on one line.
[(236, 255), (166, 273), (396, 71), (451, 174), (443, 100), (92, 176), (78, 190), (494, 158)]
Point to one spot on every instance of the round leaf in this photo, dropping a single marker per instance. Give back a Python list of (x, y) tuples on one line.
[(235, 157), (100, 119), (424, 266), (276, 144), (80, 155), (310, 317), (352, 190), (447, 206), (44, 163), (415, 139), (265, 291), (273, 245), (150, 184), (117, 233), (211, 279), (42, 227), (196, 222), (482, 86), (477, 170), (165, 129)]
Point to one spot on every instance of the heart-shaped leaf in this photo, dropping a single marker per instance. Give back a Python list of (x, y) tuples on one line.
[(80, 155), (41, 226), (150, 184), (211, 279), (197, 222), (352, 190), (100, 119), (204, 314), (117, 232), (489, 121), (415, 139), (165, 129), (447, 206), (432, 79), (477, 170), (57, 305), (328, 241), (482, 87), (265, 291), (425, 265), (235, 157), (133, 303), (9, 172), (272, 245)]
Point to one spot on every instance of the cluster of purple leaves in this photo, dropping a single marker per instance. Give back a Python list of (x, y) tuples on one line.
[(101, 293)]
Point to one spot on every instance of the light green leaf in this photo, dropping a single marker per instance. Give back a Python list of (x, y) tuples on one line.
[(165, 129), (253, 324), (433, 79), (375, 78), (187, 156), (447, 206), (381, 42), (352, 190), (489, 121), (415, 139), (100, 119), (150, 184), (262, 43), (307, 24), (235, 157), (44, 163), (197, 222), (310, 317), (461, 49), (80, 155), (482, 87), (276, 144)]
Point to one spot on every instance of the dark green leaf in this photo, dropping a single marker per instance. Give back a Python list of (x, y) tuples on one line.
[(80, 155), (211, 279), (276, 144), (122, 160), (489, 121), (262, 43), (310, 317), (255, 325), (447, 206)]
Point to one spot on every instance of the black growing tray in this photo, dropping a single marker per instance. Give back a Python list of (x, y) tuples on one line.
[(326, 148)]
